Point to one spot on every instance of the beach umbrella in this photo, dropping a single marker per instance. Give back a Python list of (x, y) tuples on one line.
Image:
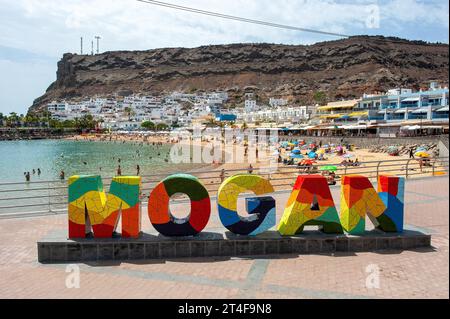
[(295, 151), (308, 162), (296, 143), (328, 168), (292, 155), (321, 151), (393, 150), (326, 146), (312, 154), (348, 155), (284, 144), (276, 153), (422, 154), (421, 149)]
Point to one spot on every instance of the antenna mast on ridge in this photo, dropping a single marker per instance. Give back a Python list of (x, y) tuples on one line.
[(81, 45), (97, 38)]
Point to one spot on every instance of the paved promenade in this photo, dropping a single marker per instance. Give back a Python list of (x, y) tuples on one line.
[(420, 273)]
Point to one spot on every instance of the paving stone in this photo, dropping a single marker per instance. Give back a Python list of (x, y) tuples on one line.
[(342, 244), (136, 251), (167, 249), (257, 247), (314, 246), (423, 241), (89, 252), (383, 243), (299, 246), (328, 245), (286, 246), (370, 244), (228, 248), (183, 249), (272, 247), (212, 248), (396, 243), (197, 249), (409, 242), (121, 251), (152, 251), (242, 248), (73, 252), (105, 252), (44, 253), (58, 253)]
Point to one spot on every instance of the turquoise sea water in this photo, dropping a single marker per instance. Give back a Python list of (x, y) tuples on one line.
[(74, 158), (81, 157)]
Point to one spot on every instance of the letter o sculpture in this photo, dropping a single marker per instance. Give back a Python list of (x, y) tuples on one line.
[(159, 212)]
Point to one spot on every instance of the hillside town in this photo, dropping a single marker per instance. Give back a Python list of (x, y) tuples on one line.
[(397, 112)]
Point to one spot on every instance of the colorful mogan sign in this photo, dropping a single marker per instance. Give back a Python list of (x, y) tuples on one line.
[(310, 203)]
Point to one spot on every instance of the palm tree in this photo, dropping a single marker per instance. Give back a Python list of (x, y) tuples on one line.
[(129, 112), (12, 120)]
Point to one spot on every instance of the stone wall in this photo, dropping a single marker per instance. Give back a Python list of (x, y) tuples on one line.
[(11, 134)]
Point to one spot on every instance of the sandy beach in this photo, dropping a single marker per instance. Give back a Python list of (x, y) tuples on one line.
[(282, 175)]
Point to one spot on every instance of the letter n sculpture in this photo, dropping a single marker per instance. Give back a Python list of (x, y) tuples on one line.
[(358, 198), (88, 200)]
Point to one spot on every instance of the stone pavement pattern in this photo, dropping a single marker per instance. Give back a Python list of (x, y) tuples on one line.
[(420, 273)]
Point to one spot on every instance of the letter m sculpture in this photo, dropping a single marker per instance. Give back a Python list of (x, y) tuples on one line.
[(88, 204)]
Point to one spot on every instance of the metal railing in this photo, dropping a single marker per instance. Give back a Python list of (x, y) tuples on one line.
[(48, 197)]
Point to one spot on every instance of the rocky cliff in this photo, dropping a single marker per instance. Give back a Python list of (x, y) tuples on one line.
[(342, 69)]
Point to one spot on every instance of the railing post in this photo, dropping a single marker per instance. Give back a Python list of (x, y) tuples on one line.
[(432, 167), (49, 198), (407, 168), (378, 169)]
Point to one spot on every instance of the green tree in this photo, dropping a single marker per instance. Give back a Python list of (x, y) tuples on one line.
[(161, 127), (13, 120), (129, 112), (148, 125), (320, 97)]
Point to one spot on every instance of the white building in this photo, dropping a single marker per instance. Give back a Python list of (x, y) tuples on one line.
[(250, 105), (277, 102)]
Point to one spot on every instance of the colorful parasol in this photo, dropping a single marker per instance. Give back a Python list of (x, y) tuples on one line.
[(328, 168)]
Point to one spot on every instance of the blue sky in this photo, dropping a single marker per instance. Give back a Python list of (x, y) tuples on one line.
[(35, 33)]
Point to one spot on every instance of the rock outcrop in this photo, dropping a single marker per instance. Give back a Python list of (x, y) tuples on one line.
[(342, 69)]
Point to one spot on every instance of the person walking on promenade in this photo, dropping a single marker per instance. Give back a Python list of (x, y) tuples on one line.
[(411, 153), (250, 169), (119, 171), (62, 175), (138, 169), (222, 175)]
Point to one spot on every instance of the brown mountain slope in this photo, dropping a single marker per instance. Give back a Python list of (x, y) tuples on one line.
[(342, 69)]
